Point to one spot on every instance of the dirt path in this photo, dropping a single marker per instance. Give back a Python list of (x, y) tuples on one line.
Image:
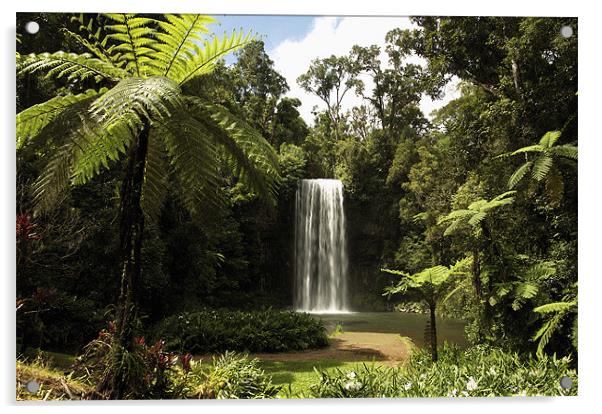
[(352, 346)]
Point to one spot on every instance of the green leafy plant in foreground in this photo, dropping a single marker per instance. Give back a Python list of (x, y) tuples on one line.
[(477, 372)]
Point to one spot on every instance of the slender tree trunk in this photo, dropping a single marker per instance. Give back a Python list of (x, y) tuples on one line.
[(434, 354), (131, 231)]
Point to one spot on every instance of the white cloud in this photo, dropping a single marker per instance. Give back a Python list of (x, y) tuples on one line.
[(336, 36)]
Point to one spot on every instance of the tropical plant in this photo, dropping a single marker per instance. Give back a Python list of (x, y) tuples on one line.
[(472, 222), (544, 165), (141, 114), (556, 312), (428, 285)]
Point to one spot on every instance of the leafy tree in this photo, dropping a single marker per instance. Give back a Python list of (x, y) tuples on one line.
[(429, 285), (557, 312), (544, 165), (330, 79), (144, 117)]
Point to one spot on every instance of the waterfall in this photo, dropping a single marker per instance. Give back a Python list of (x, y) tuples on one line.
[(320, 247)]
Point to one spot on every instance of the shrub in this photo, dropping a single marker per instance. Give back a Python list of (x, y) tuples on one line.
[(230, 376), (212, 331), (476, 372)]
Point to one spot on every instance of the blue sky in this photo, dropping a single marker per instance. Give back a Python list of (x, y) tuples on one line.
[(272, 29)]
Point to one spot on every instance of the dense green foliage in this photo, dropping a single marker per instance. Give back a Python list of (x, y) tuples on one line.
[(210, 331), (476, 372)]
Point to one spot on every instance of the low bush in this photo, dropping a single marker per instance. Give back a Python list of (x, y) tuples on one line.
[(213, 331), (230, 375), (476, 372)]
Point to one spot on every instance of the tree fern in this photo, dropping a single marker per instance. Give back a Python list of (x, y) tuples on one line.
[(543, 166), (134, 38)]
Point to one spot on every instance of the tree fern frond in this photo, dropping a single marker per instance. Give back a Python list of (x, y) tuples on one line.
[(155, 187), (33, 119), (54, 179), (477, 218), (99, 146), (530, 148), (203, 59), (71, 66), (135, 38), (255, 160), (549, 139), (555, 186), (555, 307), (565, 151), (192, 152), (177, 40), (454, 215), (544, 334), (541, 167), (519, 174), (138, 101)]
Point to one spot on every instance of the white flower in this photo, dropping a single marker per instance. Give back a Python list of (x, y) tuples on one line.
[(454, 392), (407, 386), (492, 371), (351, 375), (353, 386), (471, 385), (464, 393), (422, 376)]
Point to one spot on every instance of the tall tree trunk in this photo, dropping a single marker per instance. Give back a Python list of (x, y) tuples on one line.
[(131, 230), (434, 354)]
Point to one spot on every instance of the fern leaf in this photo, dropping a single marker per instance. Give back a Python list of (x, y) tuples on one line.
[(549, 139), (555, 307), (71, 66), (555, 186), (135, 38), (541, 167), (519, 174), (565, 151), (203, 59), (530, 148), (33, 119), (254, 159), (155, 187), (139, 101), (177, 40)]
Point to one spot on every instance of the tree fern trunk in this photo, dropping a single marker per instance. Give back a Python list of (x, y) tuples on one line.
[(131, 231), (434, 353)]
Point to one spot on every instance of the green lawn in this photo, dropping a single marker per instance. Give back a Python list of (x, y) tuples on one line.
[(297, 376)]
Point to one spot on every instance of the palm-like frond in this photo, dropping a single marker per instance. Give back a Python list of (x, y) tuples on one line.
[(519, 174), (565, 151), (549, 139), (71, 66), (193, 155), (134, 38), (177, 39), (253, 158), (139, 101), (531, 148), (155, 188), (203, 58), (32, 120), (541, 167)]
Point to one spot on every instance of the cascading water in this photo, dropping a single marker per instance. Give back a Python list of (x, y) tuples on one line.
[(320, 247)]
